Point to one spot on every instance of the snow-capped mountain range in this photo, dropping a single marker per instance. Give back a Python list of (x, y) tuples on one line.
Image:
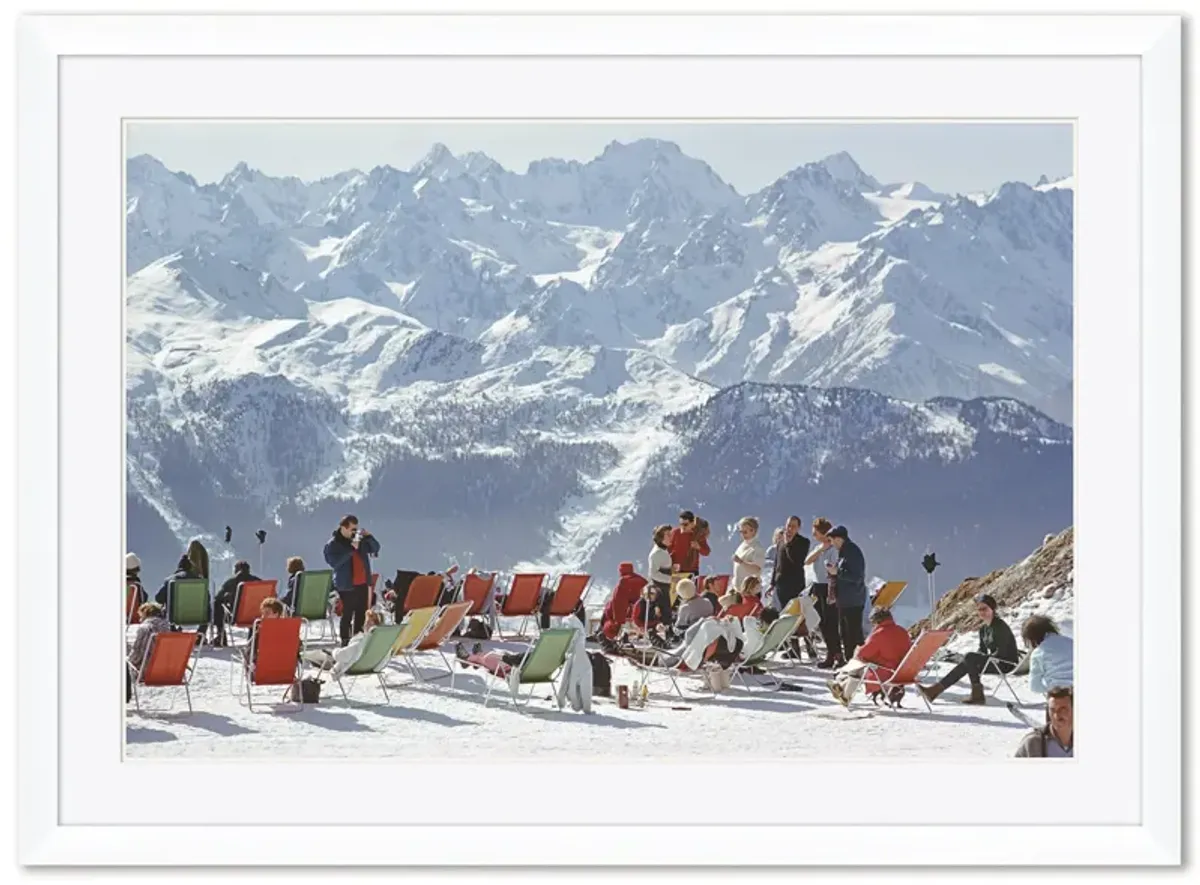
[(458, 341)]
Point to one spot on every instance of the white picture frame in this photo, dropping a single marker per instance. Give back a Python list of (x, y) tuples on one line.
[(1119, 77)]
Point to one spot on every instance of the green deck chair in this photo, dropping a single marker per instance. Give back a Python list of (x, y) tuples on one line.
[(311, 602), (377, 651), (777, 634), (188, 603), (540, 665)]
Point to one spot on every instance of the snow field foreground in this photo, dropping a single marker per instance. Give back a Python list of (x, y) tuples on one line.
[(439, 723)]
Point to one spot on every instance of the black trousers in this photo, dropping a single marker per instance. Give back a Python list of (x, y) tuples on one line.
[(354, 611), (218, 615), (850, 623), (973, 666), (544, 616), (786, 593), (830, 631)]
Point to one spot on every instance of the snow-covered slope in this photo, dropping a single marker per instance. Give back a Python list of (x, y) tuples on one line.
[(515, 344)]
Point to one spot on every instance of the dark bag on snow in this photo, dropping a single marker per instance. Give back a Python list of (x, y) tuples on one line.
[(478, 629), (601, 674), (310, 692)]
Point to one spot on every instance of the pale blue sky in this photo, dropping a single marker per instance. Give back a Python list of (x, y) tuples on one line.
[(950, 157)]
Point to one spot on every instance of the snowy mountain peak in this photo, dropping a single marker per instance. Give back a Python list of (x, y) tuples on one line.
[(439, 164), (843, 167)]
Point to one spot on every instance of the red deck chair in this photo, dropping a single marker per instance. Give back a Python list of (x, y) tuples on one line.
[(168, 664), (423, 592), (131, 606), (568, 595), (909, 672), (524, 599), (275, 650), (247, 603), (476, 590)]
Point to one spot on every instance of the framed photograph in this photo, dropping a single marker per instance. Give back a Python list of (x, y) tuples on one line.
[(405, 363)]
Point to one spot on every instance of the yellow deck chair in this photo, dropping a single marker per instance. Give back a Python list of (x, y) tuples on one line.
[(414, 628), (889, 593)]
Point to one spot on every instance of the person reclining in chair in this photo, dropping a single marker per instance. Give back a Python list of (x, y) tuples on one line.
[(885, 648), (342, 659), (270, 608), (997, 654), (153, 617)]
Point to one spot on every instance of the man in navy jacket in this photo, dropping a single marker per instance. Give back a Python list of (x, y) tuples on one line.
[(349, 554), (851, 588)]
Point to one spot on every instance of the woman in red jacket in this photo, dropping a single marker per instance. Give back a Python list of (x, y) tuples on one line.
[(884, 649), (627, 592)]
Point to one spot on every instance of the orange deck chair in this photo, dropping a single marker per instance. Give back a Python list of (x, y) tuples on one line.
[(447, 621), (423, 592), (131, 606), (476, 589), (275, 651), (909, 672), (568, 594), (247, 603), (168, 664), (524, 600)]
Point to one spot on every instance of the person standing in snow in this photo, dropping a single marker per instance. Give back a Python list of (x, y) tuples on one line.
[(996, 641), (850, 589), (133, 578), (820, 559), (349, 554), (688, 543), (750, 557), (789, 564), (1056, 739), (660, 567), (769, 560), (1052, 663)]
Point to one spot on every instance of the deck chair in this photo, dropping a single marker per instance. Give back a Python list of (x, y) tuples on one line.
[(523, 601), (910, 669), (371, 595), (423, 592), (275, 650), (568, 595), (541, 663), (476, 589), (168, 663), (311, 602), (132, 618), (377, 651), (889, 593), (413, 629), (990, 669), (188, 602), (440, 629), (247, 603), (777, 635)]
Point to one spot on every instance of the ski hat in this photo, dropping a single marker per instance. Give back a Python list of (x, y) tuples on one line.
[(132, 562), (625, 569), (686, 589), (839, 531), (987, 599)]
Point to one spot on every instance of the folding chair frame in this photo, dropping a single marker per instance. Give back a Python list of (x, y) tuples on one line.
[(765, 661), (284, 706), (409, 654), (1003, 680), (139, 672)]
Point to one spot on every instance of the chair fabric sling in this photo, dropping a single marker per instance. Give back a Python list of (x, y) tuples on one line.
[(167, 663), (542, 661), (568, 595), (132, 617), (423, 592), (311, 602), (377, 651), (476, 589), (889, 593), (523, 600), (273, 657), (188, 602), (248, 600), (913, 665), (413, 629)]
